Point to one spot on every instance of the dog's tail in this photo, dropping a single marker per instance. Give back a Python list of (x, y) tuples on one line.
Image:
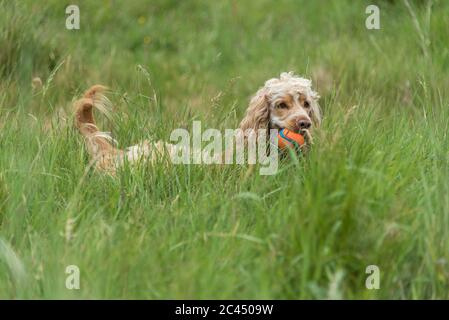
[(99, 144)]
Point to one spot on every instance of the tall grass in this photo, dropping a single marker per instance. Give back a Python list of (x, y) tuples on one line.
[(373, 190)]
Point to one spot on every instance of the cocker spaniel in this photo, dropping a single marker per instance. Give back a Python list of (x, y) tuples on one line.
[(285, 102)]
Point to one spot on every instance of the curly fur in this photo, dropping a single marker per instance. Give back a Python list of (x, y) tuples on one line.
[(258, 113)]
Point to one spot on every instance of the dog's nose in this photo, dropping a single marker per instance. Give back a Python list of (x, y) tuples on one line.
[(303, 123)]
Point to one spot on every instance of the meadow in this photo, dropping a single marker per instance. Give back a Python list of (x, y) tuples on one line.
[(374, 189)]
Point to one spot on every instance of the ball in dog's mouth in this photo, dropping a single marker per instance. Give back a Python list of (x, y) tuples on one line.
[(290, 139)]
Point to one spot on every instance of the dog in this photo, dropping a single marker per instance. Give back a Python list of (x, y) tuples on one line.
[(286, 102)]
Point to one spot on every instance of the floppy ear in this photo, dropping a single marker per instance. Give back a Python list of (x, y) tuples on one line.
[(316, 112), (258, 112)]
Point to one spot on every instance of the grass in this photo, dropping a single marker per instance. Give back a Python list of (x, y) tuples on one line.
[(374, 189)]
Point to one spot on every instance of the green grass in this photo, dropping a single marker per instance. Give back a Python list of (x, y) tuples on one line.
[(374, 189)]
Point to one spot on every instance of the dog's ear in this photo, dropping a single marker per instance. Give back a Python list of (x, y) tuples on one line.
[(316, 111), (258, 112)]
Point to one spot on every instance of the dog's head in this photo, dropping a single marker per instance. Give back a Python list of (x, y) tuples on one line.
[(285, 102)]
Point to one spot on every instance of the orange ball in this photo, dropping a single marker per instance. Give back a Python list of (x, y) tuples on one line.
[(289, 139)]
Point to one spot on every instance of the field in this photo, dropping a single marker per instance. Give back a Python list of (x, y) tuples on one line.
[(374, 190)]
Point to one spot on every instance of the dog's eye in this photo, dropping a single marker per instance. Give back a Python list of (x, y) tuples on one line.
[(306, 104), (282, 105)]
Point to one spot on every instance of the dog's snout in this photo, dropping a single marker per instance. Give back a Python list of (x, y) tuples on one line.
[(303, 123)]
